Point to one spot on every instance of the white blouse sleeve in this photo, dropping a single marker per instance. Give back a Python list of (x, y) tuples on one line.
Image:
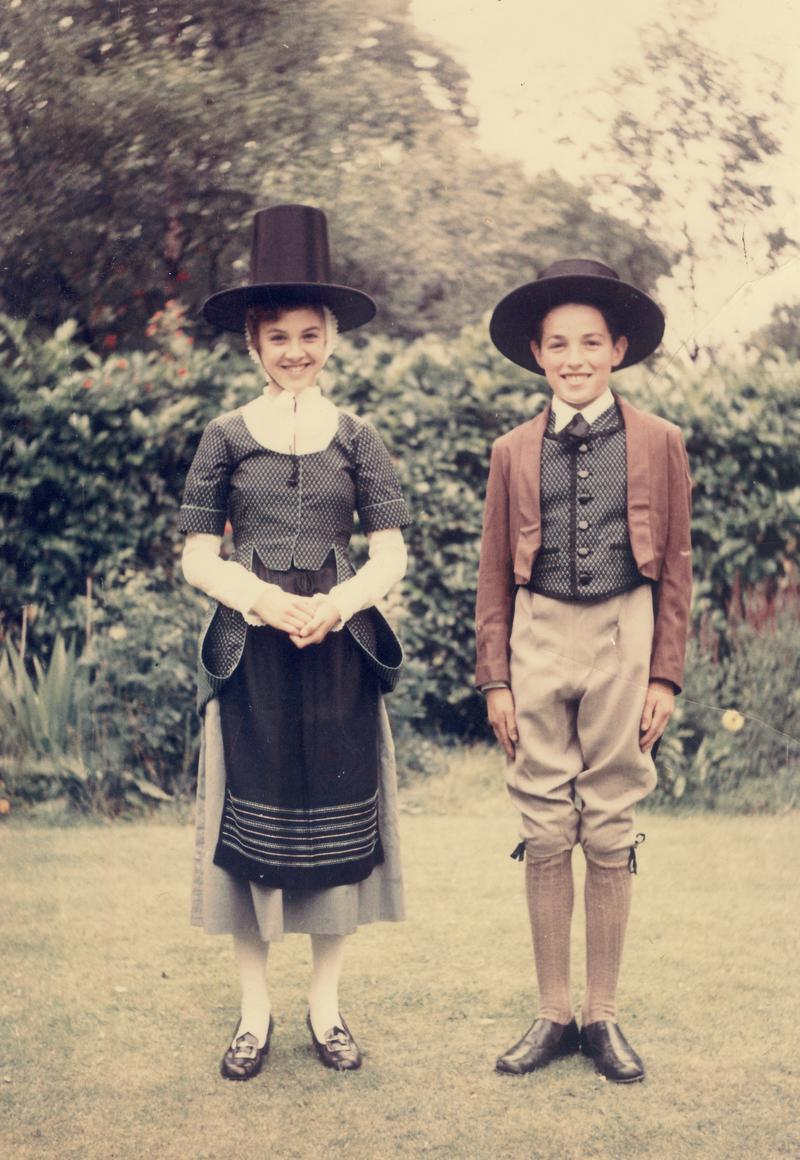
[(223, 580), (386, 565), (233, 585)]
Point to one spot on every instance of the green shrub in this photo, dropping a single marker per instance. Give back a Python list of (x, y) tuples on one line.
[(55, 746), (93, 455), (734, 740), (742, 430), (111, 727), (40, 717)]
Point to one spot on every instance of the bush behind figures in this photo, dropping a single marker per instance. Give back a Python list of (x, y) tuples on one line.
[(94, 453)]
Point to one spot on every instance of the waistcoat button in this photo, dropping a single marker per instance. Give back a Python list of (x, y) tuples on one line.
[(583, 551), (583, 473), (584, 577), (583, 525), (583, 447)]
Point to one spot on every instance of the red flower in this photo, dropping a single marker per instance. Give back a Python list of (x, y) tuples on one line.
[(182, 371), (182, 276), (110, 342), (87, 383)]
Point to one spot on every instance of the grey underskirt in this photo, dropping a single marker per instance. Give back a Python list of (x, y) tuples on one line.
[(224, 904)]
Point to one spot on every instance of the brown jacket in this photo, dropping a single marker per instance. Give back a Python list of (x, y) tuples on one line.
[(659, 516)]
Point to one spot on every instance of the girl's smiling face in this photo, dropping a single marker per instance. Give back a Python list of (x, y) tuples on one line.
[(577, 352), (292, 347)]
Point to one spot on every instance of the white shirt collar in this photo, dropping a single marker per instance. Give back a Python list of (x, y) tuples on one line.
[(284, 400), (564, 412)]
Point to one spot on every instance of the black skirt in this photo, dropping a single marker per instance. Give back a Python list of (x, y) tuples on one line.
[(300, 737)]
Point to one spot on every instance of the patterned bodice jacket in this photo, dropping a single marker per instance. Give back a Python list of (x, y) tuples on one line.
[(301, 803)]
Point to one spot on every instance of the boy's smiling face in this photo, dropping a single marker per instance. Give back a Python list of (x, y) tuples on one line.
[(577, 353)]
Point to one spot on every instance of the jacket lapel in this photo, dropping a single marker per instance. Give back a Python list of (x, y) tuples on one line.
[(526, 488), (638, 457)]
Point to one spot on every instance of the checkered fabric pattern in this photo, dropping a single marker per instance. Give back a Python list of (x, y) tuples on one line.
[(291, 508), (585, 552), (292, 511)]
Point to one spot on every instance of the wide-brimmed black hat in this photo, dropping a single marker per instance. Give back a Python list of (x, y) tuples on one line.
[(289, 264), (576, 280)]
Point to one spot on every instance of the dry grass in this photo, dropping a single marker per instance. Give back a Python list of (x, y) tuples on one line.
[(114, 1012)]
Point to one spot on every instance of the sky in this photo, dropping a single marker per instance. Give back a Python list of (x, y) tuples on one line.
[(536, 67)]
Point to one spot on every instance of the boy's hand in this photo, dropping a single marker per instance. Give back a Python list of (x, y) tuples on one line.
[(502, 718), (658, 706)]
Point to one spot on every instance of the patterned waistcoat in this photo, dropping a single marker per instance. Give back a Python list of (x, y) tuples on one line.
[(585, 553), (291, 511)]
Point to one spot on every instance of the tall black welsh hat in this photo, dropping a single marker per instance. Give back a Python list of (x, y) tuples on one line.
[(515, 317), (289, 265)]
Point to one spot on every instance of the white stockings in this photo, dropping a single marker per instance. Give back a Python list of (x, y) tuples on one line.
[(327, 952)]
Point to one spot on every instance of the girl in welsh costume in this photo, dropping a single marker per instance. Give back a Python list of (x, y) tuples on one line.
[(297, 827)]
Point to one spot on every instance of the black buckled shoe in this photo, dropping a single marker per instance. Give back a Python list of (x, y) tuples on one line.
[(338, 1050), (543, 1042), (612, 1054), (244, 1057)]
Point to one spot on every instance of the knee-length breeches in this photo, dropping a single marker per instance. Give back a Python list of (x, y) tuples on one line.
[(579, 675)]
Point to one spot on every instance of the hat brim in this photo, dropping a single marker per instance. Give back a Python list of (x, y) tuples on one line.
[(227, 308), (514, 318)]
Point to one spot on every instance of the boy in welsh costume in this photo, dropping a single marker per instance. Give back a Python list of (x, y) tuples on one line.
[(584, 592)]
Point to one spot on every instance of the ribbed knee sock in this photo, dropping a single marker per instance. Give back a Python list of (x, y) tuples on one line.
[(550, 892), (608, 903)]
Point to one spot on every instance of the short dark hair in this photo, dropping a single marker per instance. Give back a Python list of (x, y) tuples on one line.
[(614, 328), (270, 312)]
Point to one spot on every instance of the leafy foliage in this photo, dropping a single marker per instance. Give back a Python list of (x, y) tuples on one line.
[(91, 454), (40, 711), (780, 337), (53, 745), (97, 453), (734, 741), (690, 146), (136, 141), (742, 430)]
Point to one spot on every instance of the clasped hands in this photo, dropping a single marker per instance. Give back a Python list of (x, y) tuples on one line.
[(305, 619), (658, 707)]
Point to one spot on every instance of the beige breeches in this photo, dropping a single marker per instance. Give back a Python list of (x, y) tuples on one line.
[(579, 675)]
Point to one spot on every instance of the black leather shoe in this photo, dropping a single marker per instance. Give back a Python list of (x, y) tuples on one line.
[(244, 1057), (612, 1054), (339, 1050), (543, 1042)]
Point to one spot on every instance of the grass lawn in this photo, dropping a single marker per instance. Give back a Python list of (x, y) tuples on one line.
[(114, 1012)]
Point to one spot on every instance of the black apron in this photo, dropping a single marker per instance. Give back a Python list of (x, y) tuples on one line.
[(300, 737)]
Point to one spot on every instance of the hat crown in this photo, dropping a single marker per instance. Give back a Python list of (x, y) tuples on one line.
[(582, 267), (514, 319), (290, 244)]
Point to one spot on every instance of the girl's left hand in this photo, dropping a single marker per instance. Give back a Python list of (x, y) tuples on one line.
[(324, 618)]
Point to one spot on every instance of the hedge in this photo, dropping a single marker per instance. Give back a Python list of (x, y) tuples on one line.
[(93, 454)]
